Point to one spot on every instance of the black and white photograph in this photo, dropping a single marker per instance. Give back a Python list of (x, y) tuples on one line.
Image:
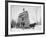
[(25, 18)]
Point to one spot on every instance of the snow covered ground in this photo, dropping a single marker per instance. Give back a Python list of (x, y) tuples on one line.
[(37, 29)]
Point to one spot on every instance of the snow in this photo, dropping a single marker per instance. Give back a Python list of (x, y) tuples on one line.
[(37, 29)]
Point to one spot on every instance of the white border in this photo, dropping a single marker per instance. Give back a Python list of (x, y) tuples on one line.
[(23, 4)]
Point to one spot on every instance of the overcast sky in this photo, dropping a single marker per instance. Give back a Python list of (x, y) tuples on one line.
[(32, 10)]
